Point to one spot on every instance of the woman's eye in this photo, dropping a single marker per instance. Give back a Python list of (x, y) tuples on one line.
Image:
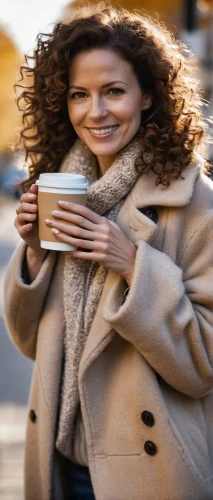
[(115, 91), (78, 95)]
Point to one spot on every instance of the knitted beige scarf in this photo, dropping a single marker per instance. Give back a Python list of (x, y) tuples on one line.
[(84, 280)]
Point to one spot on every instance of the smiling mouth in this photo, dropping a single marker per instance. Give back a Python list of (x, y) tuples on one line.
[(104, 130)]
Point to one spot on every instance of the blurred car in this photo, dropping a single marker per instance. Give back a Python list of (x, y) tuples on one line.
[(10, 178)]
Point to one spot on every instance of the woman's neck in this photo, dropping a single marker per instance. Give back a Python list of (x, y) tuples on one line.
[(104, 163)]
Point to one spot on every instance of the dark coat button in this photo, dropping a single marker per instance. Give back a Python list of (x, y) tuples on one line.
[(151, 213), (147, 418), (150, 448), (33, 416)]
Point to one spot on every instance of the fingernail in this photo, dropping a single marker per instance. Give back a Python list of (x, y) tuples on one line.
[(55, 212), (63, 202), (48, 221), (55, 231), (30, 195)]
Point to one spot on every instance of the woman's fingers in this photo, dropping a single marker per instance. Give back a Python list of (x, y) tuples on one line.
[(23, 230), (99, 246), (27, 211), (75, 219), (75, 231), (27, 207), (28, 198), (81, 210), (21, 221), (26, 217)]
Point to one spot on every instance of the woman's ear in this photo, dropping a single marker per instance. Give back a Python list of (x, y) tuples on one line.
[(147, 100)]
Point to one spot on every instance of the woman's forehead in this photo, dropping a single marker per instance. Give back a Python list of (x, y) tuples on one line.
[(99, 63)]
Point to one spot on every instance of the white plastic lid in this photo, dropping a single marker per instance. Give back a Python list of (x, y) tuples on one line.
[(59, 180)]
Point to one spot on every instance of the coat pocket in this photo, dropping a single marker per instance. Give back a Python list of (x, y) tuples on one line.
[(142, 477), (190, 431), (196, 460)]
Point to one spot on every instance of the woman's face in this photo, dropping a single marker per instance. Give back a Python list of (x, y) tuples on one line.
[(105, 102)]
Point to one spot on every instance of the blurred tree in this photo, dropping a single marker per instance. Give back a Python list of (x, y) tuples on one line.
[(169, 12), (9, 64), (204, 13)]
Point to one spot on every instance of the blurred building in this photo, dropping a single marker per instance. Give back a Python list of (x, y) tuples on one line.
[(10, 59), (197, 33), (168, 12)]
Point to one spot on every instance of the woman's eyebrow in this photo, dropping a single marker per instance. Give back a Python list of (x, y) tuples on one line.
[(105, 85)]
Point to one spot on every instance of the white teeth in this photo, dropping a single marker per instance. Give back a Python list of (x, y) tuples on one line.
[(102, 131)]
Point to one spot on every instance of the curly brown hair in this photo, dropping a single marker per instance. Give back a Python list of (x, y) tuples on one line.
[(172, 129)]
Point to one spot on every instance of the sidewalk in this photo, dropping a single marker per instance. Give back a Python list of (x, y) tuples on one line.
[(12, 435), (12, 417), (14, 371)]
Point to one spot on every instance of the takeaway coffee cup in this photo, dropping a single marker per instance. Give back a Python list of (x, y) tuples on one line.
[(53, 187)]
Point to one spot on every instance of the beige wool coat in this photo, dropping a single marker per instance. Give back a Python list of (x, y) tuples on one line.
[(146, 374)]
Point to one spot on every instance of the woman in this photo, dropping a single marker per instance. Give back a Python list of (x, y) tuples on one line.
[(122, 328)]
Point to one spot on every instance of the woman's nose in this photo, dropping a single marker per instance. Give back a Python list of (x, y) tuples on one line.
[(97, 109)]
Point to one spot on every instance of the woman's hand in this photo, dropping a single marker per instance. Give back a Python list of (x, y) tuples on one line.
[(26, 220), (106, 242), (26, 224)]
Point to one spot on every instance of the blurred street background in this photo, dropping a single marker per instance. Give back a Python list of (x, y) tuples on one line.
[(15, 376), (20, 22)]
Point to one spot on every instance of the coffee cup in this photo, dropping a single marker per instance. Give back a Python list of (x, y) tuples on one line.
[(53, 187)]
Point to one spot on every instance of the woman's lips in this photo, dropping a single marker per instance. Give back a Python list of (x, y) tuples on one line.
[(100, 133)]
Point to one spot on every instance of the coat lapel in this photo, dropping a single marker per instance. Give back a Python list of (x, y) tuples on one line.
[(135, 226)]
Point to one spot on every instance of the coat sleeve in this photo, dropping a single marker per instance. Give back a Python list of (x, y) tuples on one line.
[(168, 313), (23, 304)]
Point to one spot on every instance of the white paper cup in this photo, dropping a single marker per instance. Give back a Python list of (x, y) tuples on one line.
[(53, 187)]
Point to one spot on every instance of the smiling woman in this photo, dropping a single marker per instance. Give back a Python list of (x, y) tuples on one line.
[(121, 328), (172, 123)]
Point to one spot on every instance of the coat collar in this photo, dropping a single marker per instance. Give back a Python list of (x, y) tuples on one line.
[(146, 193)]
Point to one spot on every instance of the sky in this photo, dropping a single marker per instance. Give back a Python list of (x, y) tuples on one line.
[(24, 19)]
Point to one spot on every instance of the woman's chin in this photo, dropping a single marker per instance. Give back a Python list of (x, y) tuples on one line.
[(104, 149)]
